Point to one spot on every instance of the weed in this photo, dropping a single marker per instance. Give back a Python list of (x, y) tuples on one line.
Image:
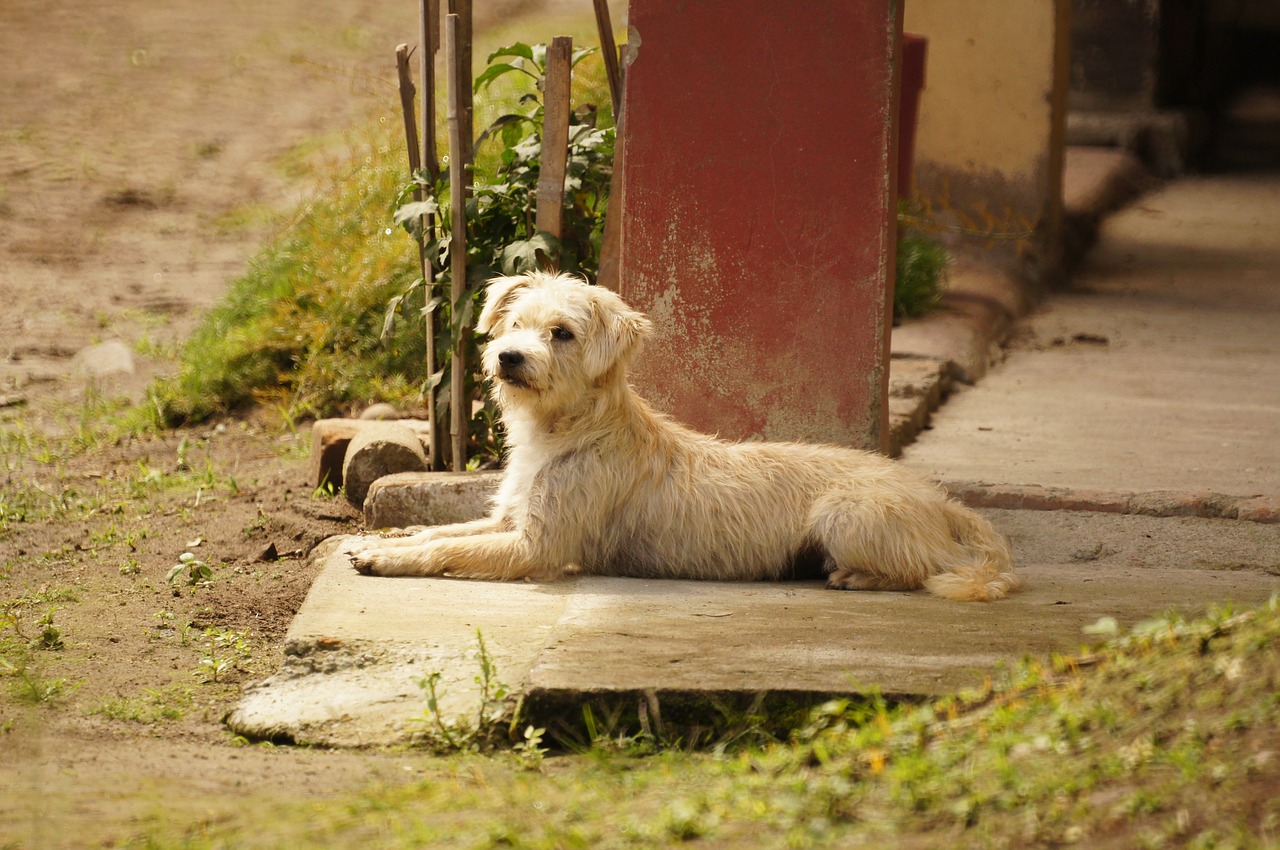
[(50, 637), (28, 686), (462, 733), (919, 274), (196, 572), (529, 751), (325, 490), (224, 650), (259, 524)]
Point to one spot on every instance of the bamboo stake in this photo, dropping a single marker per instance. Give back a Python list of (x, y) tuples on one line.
[(555, 139), (459, 78), (429, 43), (610, 51)]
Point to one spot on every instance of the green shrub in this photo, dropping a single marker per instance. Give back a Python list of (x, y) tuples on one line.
[(502, 238), (313, 328), (921, 270)]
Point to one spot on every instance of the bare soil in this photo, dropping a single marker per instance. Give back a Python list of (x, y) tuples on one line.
[(146, 150)]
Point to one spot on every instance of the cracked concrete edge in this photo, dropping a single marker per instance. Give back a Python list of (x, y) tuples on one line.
[(1167, 503), (959, 341)]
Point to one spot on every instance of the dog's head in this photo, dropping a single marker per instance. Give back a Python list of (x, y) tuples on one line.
[(551, 334)]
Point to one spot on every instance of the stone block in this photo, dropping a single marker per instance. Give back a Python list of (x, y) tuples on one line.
[(428, 498), (377, 450), (330, 438)]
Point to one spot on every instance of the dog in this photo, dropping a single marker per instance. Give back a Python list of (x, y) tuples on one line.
[(596, 482)]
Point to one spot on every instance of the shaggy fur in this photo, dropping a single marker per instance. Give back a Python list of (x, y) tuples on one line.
[(596, 482)]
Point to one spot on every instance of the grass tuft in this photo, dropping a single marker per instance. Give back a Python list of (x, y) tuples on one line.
[(301, 331)]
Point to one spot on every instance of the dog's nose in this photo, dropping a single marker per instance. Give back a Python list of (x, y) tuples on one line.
[(510, 358)]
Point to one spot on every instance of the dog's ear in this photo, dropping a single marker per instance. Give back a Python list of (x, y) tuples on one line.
[(616, 332), (498, 295)]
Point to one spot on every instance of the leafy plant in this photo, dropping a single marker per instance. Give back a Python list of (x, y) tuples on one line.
[(502, 237), (197, 571)]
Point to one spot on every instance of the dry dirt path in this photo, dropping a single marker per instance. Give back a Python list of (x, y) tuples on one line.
[(146, 150)]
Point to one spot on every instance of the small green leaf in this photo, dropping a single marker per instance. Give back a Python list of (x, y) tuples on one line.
[(389, 320), (493, 72), (519, 50), (416, 210), (580, 53)]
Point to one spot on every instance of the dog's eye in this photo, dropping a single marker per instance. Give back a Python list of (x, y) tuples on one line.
[(562, 334)]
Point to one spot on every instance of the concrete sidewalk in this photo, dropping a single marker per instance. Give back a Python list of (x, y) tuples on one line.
[(1151, 387), (1157, 371)]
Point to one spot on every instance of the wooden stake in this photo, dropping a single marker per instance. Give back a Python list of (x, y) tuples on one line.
[(406, 106), (459, 78), (609, 275), (428, 225), (555, 138), (610, 51), (611, 241), (462, 8), (428, 44)]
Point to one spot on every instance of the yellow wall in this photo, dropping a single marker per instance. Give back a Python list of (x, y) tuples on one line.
[(993, 110)]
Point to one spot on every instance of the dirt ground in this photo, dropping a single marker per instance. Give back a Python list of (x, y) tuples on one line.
[(145, 152)]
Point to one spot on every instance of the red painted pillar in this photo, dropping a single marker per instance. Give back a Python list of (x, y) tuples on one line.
[(758, 221)]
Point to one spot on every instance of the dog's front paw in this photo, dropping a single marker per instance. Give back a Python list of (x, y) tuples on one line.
[(365, 561), (386, 560)]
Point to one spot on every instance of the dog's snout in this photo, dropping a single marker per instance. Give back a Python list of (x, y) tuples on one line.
[(510, 358)]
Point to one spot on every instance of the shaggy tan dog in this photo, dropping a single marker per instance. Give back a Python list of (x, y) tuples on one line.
[(596, 482)]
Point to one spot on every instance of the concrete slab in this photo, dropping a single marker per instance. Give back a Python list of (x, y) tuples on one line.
[(359, 646)]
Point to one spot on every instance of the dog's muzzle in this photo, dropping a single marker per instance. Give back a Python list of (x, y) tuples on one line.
[(510, 365)]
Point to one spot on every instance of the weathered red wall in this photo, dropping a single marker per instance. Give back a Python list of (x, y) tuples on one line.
[(758, 213)]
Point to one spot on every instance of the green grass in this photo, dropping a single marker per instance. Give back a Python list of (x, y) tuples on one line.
[(1164, 737), (152, 706), (301, 330)]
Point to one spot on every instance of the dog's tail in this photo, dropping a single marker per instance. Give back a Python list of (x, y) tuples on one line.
[(989, 574)]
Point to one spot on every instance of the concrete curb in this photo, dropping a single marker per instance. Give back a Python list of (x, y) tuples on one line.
[(1163, 503), (982, 302)]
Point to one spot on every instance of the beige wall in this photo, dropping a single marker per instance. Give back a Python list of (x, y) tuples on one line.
[(990, 134)]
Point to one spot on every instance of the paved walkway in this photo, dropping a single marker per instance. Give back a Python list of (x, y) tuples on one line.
[(1158, 372)]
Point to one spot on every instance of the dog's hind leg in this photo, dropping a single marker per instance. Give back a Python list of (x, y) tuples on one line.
[(887, 541)]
